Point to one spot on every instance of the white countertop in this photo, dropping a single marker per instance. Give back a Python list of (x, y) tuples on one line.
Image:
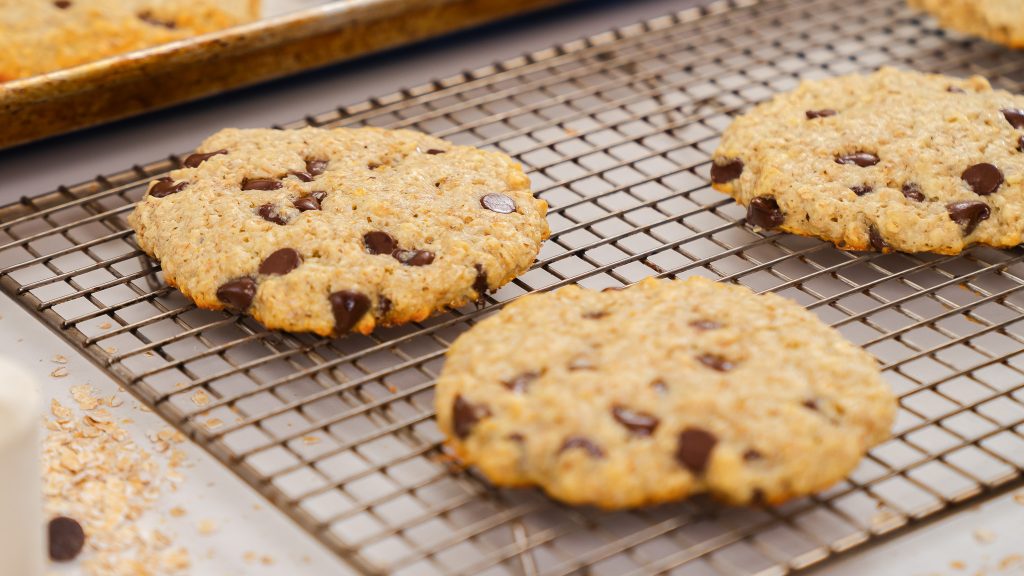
[(981, 539)]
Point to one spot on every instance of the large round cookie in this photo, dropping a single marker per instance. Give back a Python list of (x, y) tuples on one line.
[(996, 20), (328, 231), (891, 161), (663, 390)]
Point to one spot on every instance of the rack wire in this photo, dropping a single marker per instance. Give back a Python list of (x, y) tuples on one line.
[(616, 131)]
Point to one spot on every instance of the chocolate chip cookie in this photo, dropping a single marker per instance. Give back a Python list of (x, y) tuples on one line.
[(328, 231), (995, 20), (660, 391), (890, 161)]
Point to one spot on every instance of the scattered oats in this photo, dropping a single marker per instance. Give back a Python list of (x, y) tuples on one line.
[(176, 560), (214, 423), (957, 565), (249, 556), (105, 326), (984, 536), (83, 395), (310, 440), (177, 512), (62, 413), (114, 401), (60, 359), (266, 561), (200, 398), (1011, 561), (207, 527), (59, 372)]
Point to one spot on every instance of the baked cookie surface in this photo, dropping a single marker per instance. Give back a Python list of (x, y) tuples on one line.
[(328, 231), (660, 391), (889, 161), (995, 20), (47, 35)]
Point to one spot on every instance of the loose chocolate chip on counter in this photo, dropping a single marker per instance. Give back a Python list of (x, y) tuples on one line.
[(983, 178), (269, 213), (704, 325), (694, 449), (498, 203), (237, 294), (413, 257), (1015, 116), (520, 383), (378, 242), (913, 192), (465, 415), (764, 212), (319, 195), (149, 18), (306, 203), (580, 442), (348, 307), (480, 282), (716, 362), (878, 244), (261, 184), (435, 151), (638, 423), (304, 176), (752, 455), (862, 190), (862, 159), (968, 214), (316, 167), (66, 538), (198, 158), (166, 186), (722, 173), (281, 262), (812, 114), (62, 4)]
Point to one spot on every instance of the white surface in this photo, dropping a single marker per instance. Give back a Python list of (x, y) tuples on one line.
[(21, 523), (218, 495)]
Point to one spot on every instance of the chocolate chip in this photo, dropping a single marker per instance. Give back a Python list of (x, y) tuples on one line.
[(306, 203), (862, 159), (862, 190), (764, 212), (465, 415), (372, 165), (955, 90), (166, 186), (694, 449), (722, 173), (812, 114), (659, 386), (580, 442), (638, 423), (383, 306), (913, 192), (237, 294), (414, 257), (480, 282), (516, 437), (1015, 116), (304, 176), (703, 325), (810, 404), (349, 308), (968, 214), (520, 383), (62, 4), (261, 184), (878, 244), (149, 18), (595, 315), (752, 455), (983, 178), (498, 203), (434, 151), (269, 213), (716, 362), (66, 538), (319, 195), (281, 262), (316, 167), (198, 158), (378, 242)]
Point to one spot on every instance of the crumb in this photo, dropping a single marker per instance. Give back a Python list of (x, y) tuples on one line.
[(310, 440), (1011, 561), (105, 326), (266, 560), (206, 527), (984, 536), (60, 359), (177, 512), (200, 398), (957, 565), (249, 556), (59, 372), (392, 388), (111, 349), (1019, 498), (214, 423)]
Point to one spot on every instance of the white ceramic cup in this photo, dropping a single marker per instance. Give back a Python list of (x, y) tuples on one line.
[(21, 502)]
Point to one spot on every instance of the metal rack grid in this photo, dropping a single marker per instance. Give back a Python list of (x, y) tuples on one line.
[(616, 132)]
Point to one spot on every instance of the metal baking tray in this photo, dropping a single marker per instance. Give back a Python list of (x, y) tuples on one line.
[(157, 77), (616, 132)]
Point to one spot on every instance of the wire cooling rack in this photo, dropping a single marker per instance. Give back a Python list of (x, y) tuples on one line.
[(616, 132)]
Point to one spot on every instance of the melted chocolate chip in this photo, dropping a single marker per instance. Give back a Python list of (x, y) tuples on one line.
[(237, 294), (435, 151), (862, 159), (166, 186), (704, 325), (862, 190), (913, 192), (269, 213), (349, 308), (764, 211), (480, 282), (149, 18), (261, 184), (1015, 116), (316, 167), (722, 173), (694, 449), (812, 114), (498, 203), (198, 158), (983, 178), (595, 315), (878, 244), (62, 4), (716, 362), (955, 90), (638, 423), (580, 442), (319, 195), (752, 455), (465, 415), (66, 538), (520, 383), (281, 262), (304, 176), (378, 242), (383, 306), (413, 257), (306, 203), (810, 404), (968, 214)]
